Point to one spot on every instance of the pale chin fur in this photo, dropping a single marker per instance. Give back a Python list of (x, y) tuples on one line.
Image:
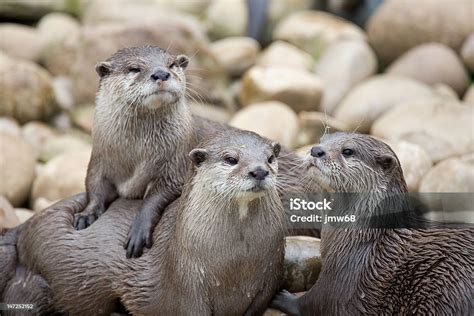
[(317, 174), (155, 101)]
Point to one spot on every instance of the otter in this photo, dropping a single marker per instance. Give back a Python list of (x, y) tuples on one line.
[(378, 271), (142, 132), (218, 249)]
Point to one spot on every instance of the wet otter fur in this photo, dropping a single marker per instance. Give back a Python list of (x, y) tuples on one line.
[(218, 249), (375, 271), (143, 130)]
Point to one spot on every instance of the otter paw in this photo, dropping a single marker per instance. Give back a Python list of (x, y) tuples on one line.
[(286, 302), (138, 238), (85, 218)]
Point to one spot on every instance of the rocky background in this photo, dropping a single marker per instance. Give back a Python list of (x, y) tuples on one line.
[(405, 78)]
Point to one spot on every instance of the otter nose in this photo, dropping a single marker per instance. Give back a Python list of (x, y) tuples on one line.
[(258, 174), (318, 152), (161, 75)]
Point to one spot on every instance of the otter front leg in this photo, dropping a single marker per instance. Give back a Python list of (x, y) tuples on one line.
[(100, 193), (141, 232), (286, 302)]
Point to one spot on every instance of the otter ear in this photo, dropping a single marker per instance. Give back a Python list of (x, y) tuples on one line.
[(276, 149), (198, 156), (182, 61), (103, 68), (386, 161)]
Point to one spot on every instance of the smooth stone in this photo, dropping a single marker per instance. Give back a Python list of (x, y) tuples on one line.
[(37, 134), (23, 214), (227, 18), (467, 52), (469, 96), (83, 117), (17, 168), (262, 118), (432, 63), (236, 54), (8, 218), (283, 54), (10, 126), (62, 144), (313, 125), (210, 112), (341, 67), (299, 89), (20, 41), (371, 98)]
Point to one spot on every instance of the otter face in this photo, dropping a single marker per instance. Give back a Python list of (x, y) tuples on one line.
[(143, 76), (242, 166), (345, 162)]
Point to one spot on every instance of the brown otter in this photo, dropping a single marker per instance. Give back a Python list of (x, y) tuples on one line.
[(218, 249), (142, 132), (376, 271)]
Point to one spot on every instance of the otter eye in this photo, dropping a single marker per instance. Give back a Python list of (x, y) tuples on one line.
[(174, 64), (231, 161), (347, 152), (134, 69), (271, 159)]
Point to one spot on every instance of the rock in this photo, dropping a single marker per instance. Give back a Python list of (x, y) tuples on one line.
[(469, 96), (302, 263), (301, 90), (195, 7), (23, 214), (450, 175), (341, 67), (262, 118), (304, 151), (179, 35), (34, 9), (313, 125), (60, 33), (314, 31), (60, 145), (227, 18), (399, 25), (83, 117), (20, 41), (8, 218), (17, 168), (63, 176), (445, 92), (37, 134), (467, 52), (443, 129), (210, 112), (432, 63), (373, 97), (63, 92), (41, 203), (415, 163), (9, 126), (28, 93), (236, 54), (282, 54)]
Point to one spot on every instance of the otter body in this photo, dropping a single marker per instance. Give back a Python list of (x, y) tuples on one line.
[(218, 249), (378, 271), (142, 132)]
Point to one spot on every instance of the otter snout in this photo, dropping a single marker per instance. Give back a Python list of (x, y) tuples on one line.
[(318, 152), (160, 75), (258, 173)]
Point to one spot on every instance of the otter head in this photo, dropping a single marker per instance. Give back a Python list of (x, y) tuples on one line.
[(346, 162), (236, 165), (143, 77)]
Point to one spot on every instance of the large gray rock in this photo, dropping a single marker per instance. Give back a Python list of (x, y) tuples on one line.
[(373, 97), (262, 118), (300, 89), (314, 31), (177, 34), (283, 54), (442, 128), (467, 52), (20, 41), (399, 25), (63, 176), (415, 163), (17, 168), (302, 263), (341, 67), (28, 93), (60, 34), (450, 175), (432, 63), (236, 54)]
